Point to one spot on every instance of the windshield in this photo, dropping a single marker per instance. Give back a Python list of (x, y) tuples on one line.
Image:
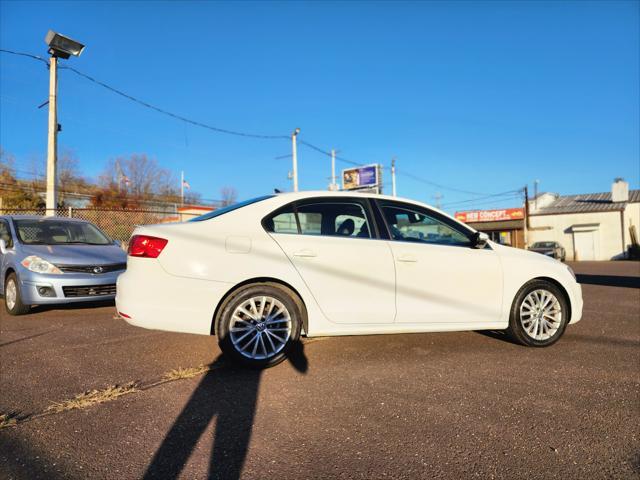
[(59, 232), (229, 208), (543, 245)]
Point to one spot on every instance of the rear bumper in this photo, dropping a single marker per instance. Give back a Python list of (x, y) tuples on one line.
[(147, 296), (31, 283)]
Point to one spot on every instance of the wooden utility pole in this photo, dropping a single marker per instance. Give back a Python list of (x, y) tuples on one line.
[(393, 176), (526, 216), (52, 146)]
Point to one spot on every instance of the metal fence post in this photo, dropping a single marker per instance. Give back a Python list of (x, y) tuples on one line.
[(70, 212)]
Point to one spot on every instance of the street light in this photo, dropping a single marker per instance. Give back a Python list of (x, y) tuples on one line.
[(59, 47)]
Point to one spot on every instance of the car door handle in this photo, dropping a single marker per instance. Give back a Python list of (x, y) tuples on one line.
[(405, 257), (304, 253)]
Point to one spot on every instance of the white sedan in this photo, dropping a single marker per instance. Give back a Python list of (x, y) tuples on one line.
[(260, 273)]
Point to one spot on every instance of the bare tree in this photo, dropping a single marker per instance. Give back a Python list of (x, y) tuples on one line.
[(228, 196)]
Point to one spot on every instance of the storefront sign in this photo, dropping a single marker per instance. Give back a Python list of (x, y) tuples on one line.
[(490, 215), (360, 177)]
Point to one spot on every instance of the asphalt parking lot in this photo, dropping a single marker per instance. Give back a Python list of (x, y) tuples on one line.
[(445, 405)]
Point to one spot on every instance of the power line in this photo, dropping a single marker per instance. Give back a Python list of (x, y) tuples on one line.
[(476, 199), (23, 54), (234, 132), (171, 114)]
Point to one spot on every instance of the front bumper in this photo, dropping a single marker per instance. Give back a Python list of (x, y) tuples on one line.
[(577, 303), (32, 283)]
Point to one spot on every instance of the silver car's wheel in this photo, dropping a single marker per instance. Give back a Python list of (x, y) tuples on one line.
[(12, 299), (541, 314), (260, 327), (11, 294)]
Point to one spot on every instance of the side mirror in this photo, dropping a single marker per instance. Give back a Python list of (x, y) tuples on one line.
[(3, 246), (480, 240)]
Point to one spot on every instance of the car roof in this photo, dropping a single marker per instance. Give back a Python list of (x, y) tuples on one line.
[(339, 193)]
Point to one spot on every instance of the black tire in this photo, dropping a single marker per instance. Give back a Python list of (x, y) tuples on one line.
[(280, 293), (516, 329), (19, 308)]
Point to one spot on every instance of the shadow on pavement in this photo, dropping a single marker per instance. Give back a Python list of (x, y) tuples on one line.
[(609, 280), (230, 393), (498, 335)]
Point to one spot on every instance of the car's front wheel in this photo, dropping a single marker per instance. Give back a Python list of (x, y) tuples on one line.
[(259, 323), (539, 314), (12, 299)]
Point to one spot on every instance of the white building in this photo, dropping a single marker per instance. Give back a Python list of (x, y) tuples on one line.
[(593, 226)]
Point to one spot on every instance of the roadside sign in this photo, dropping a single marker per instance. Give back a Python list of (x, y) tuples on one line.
[(367, 176), (491, 215)]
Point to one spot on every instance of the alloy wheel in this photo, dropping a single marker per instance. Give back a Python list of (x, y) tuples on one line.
[(541, 314), (260, 327)]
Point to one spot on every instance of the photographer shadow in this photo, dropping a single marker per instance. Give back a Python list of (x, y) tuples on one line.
[(230, 393)]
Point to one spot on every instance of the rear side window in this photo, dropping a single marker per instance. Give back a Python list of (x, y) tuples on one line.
[(343, 219)]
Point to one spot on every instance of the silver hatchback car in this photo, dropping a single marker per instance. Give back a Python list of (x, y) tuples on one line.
[(53, 260)]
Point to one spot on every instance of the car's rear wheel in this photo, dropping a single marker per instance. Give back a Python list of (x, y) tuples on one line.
[(539, 314), (259, 323), (12, 299)]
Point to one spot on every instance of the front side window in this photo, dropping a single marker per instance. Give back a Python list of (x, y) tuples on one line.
[(409, 225), (58, 232), (5, 234)]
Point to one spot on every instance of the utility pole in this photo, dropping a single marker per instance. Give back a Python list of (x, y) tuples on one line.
[(535, 194), (59, 47), (182, 188), (393, 176), (437, 197), (333, 186), (52, 145), (294, 152), (526, 216)]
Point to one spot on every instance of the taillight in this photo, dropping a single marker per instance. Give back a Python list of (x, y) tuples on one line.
[(146, 246)]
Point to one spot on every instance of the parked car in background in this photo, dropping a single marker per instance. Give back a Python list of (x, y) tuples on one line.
[(259, 273), (53, 260), (550, 249)]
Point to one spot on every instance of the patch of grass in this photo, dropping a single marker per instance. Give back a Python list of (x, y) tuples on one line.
[(178, 373), (8, 420), (93, 397)]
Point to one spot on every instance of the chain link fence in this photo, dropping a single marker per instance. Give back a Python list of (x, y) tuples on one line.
[(117, 223)]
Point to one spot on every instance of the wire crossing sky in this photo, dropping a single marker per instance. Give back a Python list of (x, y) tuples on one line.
[(474, 99)]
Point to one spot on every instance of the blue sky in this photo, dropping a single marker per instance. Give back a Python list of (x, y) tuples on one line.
[(476, 96)]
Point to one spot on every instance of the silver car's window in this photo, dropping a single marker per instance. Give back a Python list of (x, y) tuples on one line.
[(5, 233), (59, 232)]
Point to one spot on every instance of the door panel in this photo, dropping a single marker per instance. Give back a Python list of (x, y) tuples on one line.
[(445, 284), (352, 279), (440, 276)]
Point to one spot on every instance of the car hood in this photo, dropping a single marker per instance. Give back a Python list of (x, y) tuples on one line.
[(77, 254), (530, 255)]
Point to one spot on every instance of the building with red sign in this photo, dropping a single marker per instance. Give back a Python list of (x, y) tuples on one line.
[(505, 226)]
